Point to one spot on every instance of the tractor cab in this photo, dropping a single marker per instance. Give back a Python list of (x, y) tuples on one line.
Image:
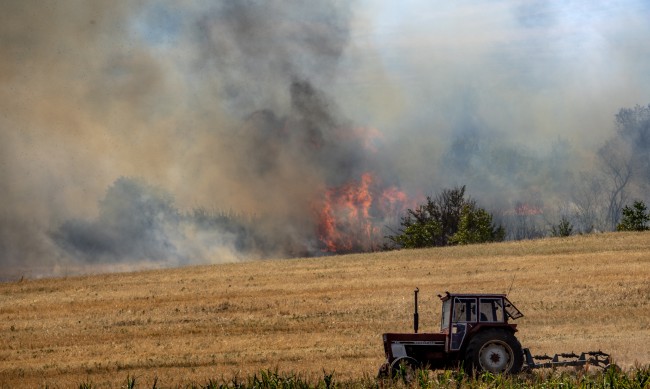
[(468, 313)]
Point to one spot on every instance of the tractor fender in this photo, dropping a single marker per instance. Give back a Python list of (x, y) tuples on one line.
[(476, 328)]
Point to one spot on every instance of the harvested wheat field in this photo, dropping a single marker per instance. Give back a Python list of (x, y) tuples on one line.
[(307, 316)]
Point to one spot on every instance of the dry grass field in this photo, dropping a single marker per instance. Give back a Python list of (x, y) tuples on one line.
[(313, 315)]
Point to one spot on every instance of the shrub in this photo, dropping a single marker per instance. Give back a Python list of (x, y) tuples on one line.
[(448, 219), (564, 228), (634, 218), (476, 227)]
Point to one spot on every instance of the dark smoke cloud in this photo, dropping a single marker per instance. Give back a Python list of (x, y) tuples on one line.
[(258, 48), (135, 222), (244, 126), (253, 110)]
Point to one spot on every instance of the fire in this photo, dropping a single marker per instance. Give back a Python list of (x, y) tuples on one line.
[(351, 216)]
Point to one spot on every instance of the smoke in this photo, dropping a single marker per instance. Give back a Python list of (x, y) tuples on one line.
[(253, 129), (512, 99), (135, 222)]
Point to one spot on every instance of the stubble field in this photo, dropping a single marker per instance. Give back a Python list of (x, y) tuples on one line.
[(308, 316)]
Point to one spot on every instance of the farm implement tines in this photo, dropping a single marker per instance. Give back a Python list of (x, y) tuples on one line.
[(588, 358)]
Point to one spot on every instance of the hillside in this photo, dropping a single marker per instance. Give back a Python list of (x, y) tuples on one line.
[(309, 315)]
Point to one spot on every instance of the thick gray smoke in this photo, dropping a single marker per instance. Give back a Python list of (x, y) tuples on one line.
[(163, 133)]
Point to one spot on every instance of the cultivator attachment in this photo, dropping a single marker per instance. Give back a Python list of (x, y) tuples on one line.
[(589, 358)]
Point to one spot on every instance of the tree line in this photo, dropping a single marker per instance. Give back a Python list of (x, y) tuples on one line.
[(609, 197), (452, 219)]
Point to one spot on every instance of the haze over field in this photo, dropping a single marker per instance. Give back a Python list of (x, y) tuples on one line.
[(156, 133)]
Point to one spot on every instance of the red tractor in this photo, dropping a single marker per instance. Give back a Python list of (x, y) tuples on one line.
[(475, 334)]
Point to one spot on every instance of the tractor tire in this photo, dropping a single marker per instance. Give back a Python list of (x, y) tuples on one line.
[(495, 351)]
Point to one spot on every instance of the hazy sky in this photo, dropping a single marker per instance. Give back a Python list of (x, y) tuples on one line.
[(531, 68)]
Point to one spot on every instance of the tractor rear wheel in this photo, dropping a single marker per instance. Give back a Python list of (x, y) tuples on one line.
[(494, 350)]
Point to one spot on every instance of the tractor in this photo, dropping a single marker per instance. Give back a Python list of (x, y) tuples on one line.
[(475, 334)]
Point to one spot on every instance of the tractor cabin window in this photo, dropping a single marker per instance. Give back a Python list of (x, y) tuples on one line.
[(491, 310), (446, 315), (464, 309)]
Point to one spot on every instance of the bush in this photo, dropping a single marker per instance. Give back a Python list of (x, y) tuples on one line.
[(634, 218), (476, 227), (448, 219), (564, 228)]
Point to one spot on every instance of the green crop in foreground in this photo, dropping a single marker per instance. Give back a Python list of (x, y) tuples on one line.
[(635, 378)]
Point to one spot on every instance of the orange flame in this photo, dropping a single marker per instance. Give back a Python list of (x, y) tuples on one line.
[(351, 216)]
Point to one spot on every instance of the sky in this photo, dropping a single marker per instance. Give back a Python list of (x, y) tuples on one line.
[(261, 107)]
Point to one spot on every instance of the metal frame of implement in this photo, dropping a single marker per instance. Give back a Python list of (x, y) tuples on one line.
[(591, 358)]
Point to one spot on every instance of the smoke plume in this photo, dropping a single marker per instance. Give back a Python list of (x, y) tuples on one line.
[(137, 134)]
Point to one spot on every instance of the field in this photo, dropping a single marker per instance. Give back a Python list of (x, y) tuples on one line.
[(316, 315)]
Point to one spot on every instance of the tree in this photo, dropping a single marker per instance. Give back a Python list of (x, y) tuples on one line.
[(417, 234), (634, 218), (633, 126), (617, 169), (476, 227), (623, 164), (447, 219), (589, 199)]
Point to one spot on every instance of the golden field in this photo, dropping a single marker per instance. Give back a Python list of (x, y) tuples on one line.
[(320, 314)]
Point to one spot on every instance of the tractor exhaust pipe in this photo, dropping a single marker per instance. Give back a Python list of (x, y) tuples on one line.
[(416, 318)]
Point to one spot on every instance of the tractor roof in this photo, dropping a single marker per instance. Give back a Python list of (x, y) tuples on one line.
[(448, 295), (511, 310)]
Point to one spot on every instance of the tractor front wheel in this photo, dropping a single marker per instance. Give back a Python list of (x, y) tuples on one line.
[(404, 368), (494, 350)]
